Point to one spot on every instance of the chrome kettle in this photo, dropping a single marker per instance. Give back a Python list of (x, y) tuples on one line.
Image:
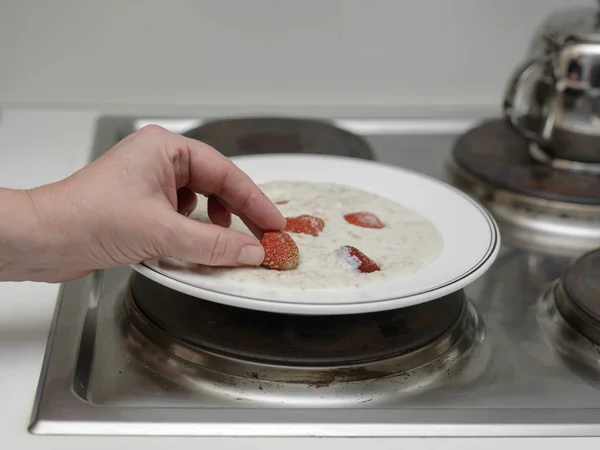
[(553, 98)]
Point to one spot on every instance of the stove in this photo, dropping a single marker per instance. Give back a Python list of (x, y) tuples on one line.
[(516, 353)]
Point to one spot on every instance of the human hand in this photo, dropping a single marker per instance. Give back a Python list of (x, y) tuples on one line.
[(131, 204)]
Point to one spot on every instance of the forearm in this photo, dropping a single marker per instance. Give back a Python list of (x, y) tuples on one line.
[(18, 237), (32, 242)]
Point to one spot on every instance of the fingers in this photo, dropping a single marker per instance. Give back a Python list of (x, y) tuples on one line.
[(186, 201), (209, 245), (211, 173), (255, 229), (218, 213)]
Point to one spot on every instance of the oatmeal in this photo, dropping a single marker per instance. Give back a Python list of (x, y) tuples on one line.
[(405, 244)]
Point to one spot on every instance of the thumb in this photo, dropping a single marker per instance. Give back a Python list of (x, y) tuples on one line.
[(210, 245)]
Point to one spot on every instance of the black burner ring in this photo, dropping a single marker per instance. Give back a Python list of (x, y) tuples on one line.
[(294, 340), (495, 154), (578, 295), (265, 135)]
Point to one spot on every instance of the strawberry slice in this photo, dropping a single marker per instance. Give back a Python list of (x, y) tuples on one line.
[(364, 220), (304, 224), (357, 259), (281, 252)]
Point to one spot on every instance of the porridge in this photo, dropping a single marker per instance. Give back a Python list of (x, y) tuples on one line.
[(398, 240)]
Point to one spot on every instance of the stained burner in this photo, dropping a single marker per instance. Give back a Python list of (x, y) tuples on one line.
[(294, 340), (263, 135), (578, 295), (495, 154), (536, 205), (570, 312), (201, 341)]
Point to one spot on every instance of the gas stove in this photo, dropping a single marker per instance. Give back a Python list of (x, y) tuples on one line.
[(516, 353)]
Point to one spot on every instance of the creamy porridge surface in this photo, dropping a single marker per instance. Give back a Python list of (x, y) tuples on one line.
[(408, 243)]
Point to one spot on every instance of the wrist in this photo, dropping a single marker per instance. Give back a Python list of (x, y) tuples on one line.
[(17, 222), (30, 242)]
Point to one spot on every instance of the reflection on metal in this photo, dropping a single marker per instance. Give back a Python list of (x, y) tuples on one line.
[(541, 156), (553, 99)]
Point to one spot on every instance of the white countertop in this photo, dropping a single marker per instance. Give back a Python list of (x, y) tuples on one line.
[(38, 147)]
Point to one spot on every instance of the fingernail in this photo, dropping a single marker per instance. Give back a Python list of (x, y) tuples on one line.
[(251, 255)]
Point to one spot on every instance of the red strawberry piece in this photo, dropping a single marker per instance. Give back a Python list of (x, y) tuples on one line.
[(304, 224), (357, 259), (282, 202), (364, 220), (281, 252)]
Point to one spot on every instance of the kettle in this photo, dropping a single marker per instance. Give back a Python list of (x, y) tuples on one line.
[(553, 97)]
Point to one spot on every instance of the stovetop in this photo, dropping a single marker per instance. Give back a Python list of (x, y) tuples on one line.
[(99, 378)]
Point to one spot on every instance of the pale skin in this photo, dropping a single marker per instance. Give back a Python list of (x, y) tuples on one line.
[(131, 205)]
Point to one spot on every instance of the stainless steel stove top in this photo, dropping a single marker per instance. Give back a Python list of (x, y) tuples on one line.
[(512, 370)]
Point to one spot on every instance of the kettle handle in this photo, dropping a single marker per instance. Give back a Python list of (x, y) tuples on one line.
[(513, 89)]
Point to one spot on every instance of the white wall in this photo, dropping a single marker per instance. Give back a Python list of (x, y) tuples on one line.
[(221, 52)]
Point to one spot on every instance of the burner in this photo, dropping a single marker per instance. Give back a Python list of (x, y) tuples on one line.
[(421, 344), (496, 154), (569, 312), (249, 136), (578, 295), (536, 206), (294, 340)]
